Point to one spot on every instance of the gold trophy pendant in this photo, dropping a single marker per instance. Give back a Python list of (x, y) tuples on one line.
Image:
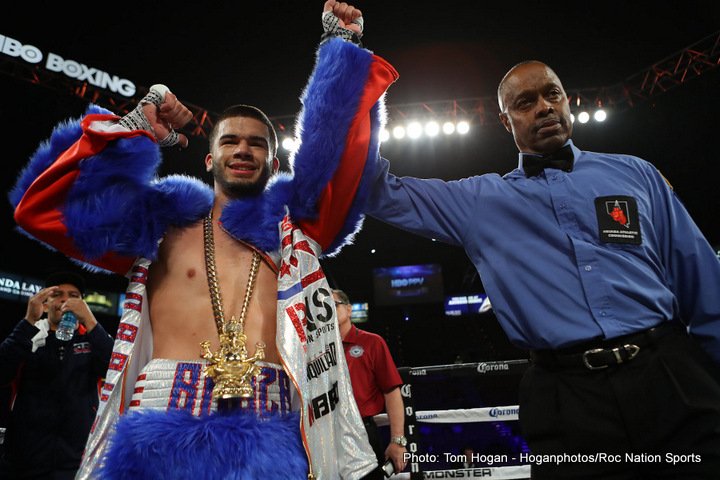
[(230, 367)]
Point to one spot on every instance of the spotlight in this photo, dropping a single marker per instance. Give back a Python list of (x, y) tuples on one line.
[(448, 128), (600, 115), (432, 128), (289, 144), (572, 118), (463, 127), (384, 135), (399, 132), (414, 130), (583, 117)]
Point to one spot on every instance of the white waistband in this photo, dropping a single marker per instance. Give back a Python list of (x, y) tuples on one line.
[(166, 384)]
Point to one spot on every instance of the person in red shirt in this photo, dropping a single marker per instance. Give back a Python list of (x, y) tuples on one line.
[(376, 384)]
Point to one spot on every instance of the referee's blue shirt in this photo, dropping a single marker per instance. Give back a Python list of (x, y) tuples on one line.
[(602, 251)]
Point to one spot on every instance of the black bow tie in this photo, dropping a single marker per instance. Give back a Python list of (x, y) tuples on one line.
[(562, 160)]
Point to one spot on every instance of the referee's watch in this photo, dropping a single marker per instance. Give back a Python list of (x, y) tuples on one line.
[(401, 440)]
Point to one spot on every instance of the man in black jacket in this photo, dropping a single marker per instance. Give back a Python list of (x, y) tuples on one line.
[(56, 383)]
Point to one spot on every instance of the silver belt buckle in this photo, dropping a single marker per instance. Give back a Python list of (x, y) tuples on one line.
[(587, 364), (632, 350)]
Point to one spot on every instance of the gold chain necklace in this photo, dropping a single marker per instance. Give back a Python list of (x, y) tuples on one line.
[(230, 367)]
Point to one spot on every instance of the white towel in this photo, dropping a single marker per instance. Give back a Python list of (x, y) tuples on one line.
[(39, 339)]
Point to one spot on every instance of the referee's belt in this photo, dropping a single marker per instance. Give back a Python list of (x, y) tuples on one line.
[(601, 354)]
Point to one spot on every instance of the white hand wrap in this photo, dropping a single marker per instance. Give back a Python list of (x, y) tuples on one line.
[(331, 26), (136, 119), (172, 139)]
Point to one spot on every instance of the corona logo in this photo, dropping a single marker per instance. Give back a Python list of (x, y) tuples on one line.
[(501, 412), (485, 367)]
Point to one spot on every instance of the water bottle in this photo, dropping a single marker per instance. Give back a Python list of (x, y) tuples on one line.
[(66, 327)]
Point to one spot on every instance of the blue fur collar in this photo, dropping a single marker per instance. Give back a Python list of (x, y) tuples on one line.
[(255, 219)]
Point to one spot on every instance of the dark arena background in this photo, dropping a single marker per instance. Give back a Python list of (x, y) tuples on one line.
[(652, 69)]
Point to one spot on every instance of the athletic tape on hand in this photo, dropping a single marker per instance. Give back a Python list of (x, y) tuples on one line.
[(331, 26), (156, 95), (136, 119), (172, 139)]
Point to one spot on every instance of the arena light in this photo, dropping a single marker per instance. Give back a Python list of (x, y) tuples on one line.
[(414, 130), (448, 128), (399, 132), (432, 128), (463, 127), (289, 144), (600, 115), (384, 135), (572, 118), (583, 117)]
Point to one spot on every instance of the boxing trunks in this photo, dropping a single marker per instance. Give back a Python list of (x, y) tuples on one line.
[(173, 430)]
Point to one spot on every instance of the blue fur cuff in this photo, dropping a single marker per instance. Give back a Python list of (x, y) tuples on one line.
[(330, 103), (176, 445), (116, 204), (63, 136)]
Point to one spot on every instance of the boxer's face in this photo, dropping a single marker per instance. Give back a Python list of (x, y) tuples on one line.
[(240, 157)]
